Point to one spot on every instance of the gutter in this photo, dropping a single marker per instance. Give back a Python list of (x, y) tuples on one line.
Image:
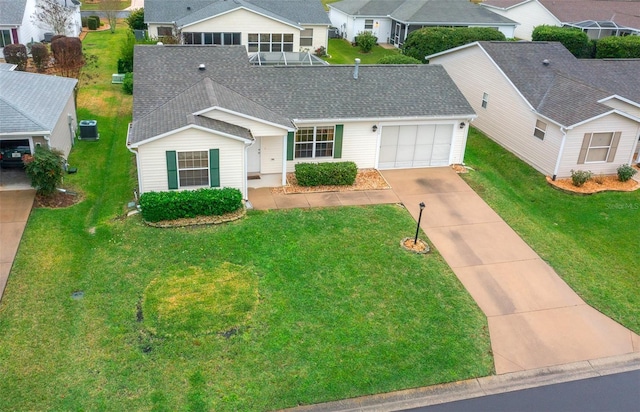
[(135, 152)]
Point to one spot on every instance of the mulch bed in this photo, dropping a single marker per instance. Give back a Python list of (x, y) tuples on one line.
[(366, 179), (595, 184), (56, 200)]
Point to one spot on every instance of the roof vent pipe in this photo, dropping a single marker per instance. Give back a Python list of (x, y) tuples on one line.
[(546, 62), (201, 67), (355, 69)]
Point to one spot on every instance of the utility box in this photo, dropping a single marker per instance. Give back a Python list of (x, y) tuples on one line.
[(117, 78), (139, 34), (89, 130), (48, 36)]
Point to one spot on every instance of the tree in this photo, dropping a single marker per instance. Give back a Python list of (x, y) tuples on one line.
[(135, 21), (44, 169), (430, 40), (575, 40), (40, 54), (16, 54), (110, 10), (366, 40), (68, 57), (52, 15)]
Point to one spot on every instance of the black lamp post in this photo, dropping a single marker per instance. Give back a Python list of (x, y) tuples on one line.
[(419, 218)]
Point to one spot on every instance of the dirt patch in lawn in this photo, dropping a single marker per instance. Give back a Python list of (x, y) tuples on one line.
[(595, 184)]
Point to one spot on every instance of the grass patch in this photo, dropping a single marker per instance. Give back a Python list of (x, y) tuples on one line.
[(342, 52), (591, 241), (90, 5)]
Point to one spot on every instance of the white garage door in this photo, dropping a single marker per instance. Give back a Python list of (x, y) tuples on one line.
[(415, 146)]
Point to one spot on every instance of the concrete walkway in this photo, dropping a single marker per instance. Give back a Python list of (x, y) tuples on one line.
[(535, 319), (15, 207)]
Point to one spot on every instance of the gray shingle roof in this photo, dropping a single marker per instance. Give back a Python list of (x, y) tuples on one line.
[(12, 11), (423, 11), (32, 102), (166, 78), (567, 89), (294, 12)]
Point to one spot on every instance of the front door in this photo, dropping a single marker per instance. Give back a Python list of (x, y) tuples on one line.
[(253, 157), (396, 35)]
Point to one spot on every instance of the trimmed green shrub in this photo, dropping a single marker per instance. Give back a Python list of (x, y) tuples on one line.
[(575, 40), (135, 21), (127, 83), (84, 21), (626, 172), (16, 54), (96, 18), (614, 47), (92, 23), (366, 41), (157, 206), (317, 174), (580, 177), (44, 169), (398, 59), (40, 55), (429, 40)]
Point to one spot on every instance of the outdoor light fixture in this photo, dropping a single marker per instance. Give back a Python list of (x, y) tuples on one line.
[(374, 128), (419, 218), (462, 125)]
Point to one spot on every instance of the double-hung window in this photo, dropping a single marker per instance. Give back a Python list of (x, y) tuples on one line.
[(313, 142), (193, 168), (485, 100), (270, 42), (306, 37), (211, 38), (540, 130), (599, 147), (368, 24), (165, 31)]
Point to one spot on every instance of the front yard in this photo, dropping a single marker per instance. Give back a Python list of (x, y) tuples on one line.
[(103, 312)]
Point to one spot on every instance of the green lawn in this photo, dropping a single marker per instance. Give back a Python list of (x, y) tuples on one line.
[(119, 5), (321, 304), (591, 241), (342, 52)]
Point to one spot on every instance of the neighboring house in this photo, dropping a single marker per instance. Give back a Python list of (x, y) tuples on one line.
[(204, 117), (392, 20), (597, 18), (17, 26), (37, 109), (554, 111), (259, 25)]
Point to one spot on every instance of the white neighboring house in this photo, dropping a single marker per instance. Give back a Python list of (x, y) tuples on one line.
[(17, 26), (259, 25), (552, 110), (204, 117), (597, 18), (391, 21), (32, 117)]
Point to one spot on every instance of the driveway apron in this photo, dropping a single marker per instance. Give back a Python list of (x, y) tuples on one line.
[(15, 206), (535, 319)]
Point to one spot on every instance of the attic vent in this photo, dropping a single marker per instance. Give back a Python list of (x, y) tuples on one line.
[(355, 69), (201, 67), (546, 62), (188, 7)]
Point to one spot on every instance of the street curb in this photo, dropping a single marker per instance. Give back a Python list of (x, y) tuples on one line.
[(473, 388)]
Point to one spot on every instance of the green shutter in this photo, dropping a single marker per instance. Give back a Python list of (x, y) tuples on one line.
[(290, 144), (172, 169), (337, 142), (214, 167), (614, 146), (583, 150)]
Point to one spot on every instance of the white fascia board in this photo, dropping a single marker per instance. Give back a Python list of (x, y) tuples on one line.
[(469, 116), (623, 99), (614, 111), (34, 133), (464, 46), (245, 116), (247, 9), (191, 126)]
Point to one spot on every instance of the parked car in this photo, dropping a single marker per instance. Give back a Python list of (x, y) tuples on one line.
[(11, 155)]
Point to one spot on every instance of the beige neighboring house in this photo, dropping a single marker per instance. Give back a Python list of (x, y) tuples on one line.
[(259, 25), (552, 110), (597, 18), (37, 109)]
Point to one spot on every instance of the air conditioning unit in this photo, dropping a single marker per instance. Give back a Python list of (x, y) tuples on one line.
[(117, 78), (48, 36), (89, 130)]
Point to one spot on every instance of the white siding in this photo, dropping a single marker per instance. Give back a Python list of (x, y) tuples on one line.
[(257, 128), (623, 107), (507, 119), (320, 37), (341, 21), (61, 135), (529, 15), (612, 123), (152, 161)]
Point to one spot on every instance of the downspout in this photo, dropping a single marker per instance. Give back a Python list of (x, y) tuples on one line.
[(69, 121), (560, 152), (245, 188), (135, 152)]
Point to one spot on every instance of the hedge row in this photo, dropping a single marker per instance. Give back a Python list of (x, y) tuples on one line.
[(575, 40), (317, 174), (429, 40), (157, 206), (613, 47)]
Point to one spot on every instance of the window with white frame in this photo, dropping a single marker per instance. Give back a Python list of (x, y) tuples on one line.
[(165, 31), (485, 100), (211, 38), (312, 142), (270, 42), (540, 130), (5, 37), (368, 24), (193, 168), (306, 37), (599, 147)]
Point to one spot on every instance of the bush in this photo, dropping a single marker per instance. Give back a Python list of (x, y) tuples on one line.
[(44, 169), (125, 62), (430, 40), (16, 54), (135, 21), (316, 174), (366, 41), (96, 18), (40, 55), (398, 59), (127, 83), (92, 23), (575, 40), (320, 51), (626, 172), (613, 47), (157, 206), (580, 177)]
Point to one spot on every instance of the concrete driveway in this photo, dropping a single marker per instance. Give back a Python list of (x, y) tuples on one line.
[(535, 319), (15, 206)]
